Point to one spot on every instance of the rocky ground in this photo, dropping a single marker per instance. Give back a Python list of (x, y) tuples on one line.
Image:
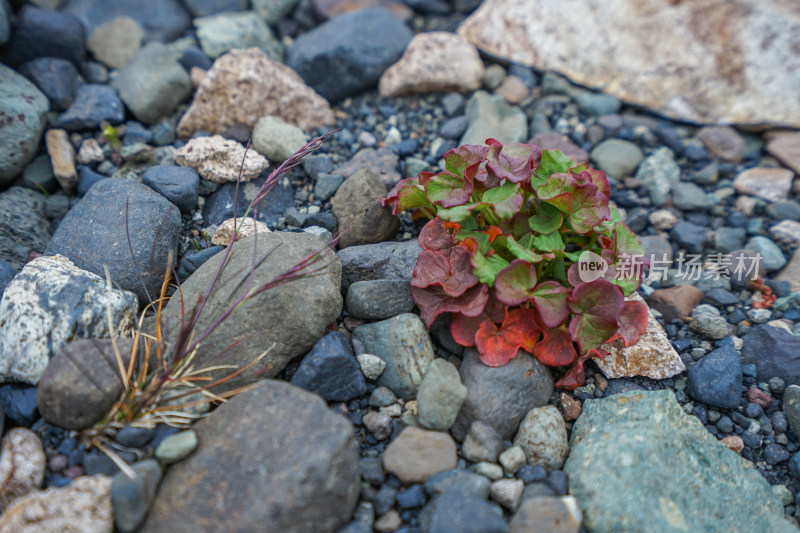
[(123, 128)]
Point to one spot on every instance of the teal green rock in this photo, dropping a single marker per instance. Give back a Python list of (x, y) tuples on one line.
[(272, 11), (660, 173), (490, 116), (403, 342), (176, 447), (22, 116), (225, 31), (639, 464), (440, 396)]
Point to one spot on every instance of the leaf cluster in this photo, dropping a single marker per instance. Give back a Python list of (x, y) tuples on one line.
[(502, 251)]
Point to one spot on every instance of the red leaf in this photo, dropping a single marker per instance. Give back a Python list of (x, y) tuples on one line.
[(453, 271), (575, 377), (463, 328), (458, 160), (434, 236), (550, 299), (597, 177), (498, 346), (556, 348), (512, 162), (448, 189), (514, 284), (433, 301), (632, 323), (596, 306)]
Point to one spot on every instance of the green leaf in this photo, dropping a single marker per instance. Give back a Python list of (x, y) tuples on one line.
[(548, 243), (448, 189), (480, 237), (506, 200), (507, 242), (514, 284), (548, 220), (457, 213), (552, 161), (487, 267)]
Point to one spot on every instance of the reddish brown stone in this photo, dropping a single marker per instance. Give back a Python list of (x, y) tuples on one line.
[(676, 302), (758, 396), (733, 442), (724, 142), (785, 146), (570, 407)]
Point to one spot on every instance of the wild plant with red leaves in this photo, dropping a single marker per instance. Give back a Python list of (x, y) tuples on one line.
[(501, 255)]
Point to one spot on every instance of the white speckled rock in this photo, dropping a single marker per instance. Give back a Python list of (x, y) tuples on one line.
[(83, 506), (543, 437), (219, 159), (22, 465), (434, 61), (224, 234), (371, 365), (50, 303)]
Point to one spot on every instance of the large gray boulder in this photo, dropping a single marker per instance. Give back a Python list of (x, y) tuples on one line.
[(286, 320), (272, 459), (96, 231), (638, 463)]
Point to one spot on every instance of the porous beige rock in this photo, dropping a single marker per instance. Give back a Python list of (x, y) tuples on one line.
[(434, 61), (224, 234), (84, 506), (219, 159), (703, 61), (62, 157), (653, 356), (772, 184), (22, 465), (244, 85)]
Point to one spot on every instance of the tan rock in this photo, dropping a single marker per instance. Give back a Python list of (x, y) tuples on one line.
[(327, 9), (244, 85), (653, 356), (359, 213), (555, 141), (785, 146), (701, 61), (62, 157), (570, 407), (434, 61), (663, 219), (786, 231), (771, 184), (791, 272), (84, 506), (733, 442), (219, 159), (197, 75), (90, 152), (389, 522), (382, 161), (115, 42), (554, 515), (417, 454), (675, 302), (224, 234), (22, 465), (724, 142), (507, 492), (513, 90)]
